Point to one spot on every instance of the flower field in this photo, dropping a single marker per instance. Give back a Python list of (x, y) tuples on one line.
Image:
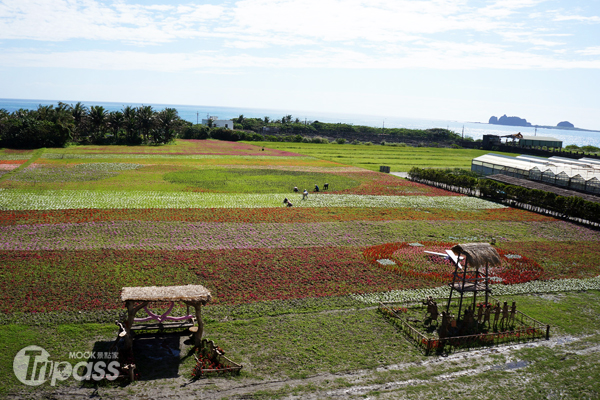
[(79, 223)]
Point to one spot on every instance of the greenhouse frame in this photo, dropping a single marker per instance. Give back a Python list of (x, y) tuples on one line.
[(582, 175)]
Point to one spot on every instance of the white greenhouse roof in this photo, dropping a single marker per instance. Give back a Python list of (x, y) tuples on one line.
[(573, 168)]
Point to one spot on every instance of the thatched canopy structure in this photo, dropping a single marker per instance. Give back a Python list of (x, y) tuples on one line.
[(478, 254), (187, 293)]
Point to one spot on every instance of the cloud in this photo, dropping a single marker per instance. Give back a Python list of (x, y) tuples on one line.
[(579, 18), (590, 51), (445, 34), (61, 20), (438, 55)]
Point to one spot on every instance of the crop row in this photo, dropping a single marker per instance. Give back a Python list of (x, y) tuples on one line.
[(174, 157), (264, 215), (177, 235), (180, 147), (18, 199), (72, 173)]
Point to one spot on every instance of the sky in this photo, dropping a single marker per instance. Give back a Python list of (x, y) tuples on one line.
[(443, 59)]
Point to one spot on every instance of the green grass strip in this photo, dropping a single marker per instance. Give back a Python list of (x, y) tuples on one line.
[(37, 154)]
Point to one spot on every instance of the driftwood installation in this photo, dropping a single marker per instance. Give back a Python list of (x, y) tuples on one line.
[(432, 309)]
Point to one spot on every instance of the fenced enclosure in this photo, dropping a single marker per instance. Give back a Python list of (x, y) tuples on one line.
[(411, 318)]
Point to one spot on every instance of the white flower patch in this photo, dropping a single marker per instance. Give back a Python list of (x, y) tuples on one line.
[(556, 285), (18, 199)]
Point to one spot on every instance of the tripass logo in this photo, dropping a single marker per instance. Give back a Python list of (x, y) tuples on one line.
[(32, 367)]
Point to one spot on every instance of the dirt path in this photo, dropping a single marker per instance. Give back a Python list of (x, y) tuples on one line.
[(352, 384)]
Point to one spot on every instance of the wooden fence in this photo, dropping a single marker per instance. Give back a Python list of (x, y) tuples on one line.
[(525, 328)]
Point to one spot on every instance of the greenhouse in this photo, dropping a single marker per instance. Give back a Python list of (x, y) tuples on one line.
[(583, 175)]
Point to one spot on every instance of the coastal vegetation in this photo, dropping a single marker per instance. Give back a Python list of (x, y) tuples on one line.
[(51, 126)]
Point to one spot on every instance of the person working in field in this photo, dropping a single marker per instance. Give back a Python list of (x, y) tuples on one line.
[(287, 202), (316, 188), (295, 189), (305, 194)]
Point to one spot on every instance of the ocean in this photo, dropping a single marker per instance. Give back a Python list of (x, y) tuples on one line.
[(475, 130)]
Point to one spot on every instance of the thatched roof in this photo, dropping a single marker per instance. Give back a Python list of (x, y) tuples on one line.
[(478, 254), (193, 293)]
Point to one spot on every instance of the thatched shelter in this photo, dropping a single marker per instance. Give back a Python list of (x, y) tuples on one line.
[(479, 257), (478, 254), (192, 295)]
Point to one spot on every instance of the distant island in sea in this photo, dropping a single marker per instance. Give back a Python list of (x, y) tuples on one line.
[(516, 121)]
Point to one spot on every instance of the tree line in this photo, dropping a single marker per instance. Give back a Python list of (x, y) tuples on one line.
[(287, 125), (571, 206), (51, 126), (55, 126)]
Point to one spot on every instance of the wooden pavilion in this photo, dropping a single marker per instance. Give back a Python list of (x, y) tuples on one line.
[(136, 298)]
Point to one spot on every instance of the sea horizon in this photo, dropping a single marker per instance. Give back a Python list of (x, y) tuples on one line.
[(195, 113)]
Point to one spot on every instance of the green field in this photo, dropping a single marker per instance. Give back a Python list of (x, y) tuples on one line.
[(400, 159), (294, 293)]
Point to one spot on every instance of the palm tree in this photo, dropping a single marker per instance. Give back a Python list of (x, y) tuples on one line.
[(145, 120), (116, 120), (98, 119), (64, 123), (167, 121), (130, 124), (80, 115)]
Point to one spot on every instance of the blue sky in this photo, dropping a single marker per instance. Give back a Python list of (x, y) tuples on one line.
[(445, 59)]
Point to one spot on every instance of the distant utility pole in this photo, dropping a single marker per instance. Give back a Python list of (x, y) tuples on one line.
[(197, 113), (463, 132)]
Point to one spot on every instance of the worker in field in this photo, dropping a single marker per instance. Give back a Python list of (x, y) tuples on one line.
[(305, 194)]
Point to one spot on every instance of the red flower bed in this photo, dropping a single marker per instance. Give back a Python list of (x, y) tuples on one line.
[(378, 184), (564, 259), (91, 280), (412, 261)]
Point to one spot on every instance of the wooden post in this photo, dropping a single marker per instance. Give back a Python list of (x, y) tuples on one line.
[(129, 323), (131, 311), (487, 282), (198, 333)]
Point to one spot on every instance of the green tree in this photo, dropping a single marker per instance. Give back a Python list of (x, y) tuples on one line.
[(167, 122), (145, 121), (98, 119), (116, 122)]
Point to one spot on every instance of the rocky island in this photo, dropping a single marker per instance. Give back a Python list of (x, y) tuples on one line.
[(512, 121), (516, 121)]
